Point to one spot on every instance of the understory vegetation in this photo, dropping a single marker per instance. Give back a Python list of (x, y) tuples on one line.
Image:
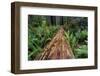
[(41, 30)]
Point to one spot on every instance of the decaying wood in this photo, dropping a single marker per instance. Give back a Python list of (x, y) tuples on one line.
[(58, 48)]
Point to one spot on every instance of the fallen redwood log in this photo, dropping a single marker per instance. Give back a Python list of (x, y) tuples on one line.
[(58, 48)]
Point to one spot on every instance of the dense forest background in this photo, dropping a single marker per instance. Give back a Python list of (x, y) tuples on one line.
[(41, 30)]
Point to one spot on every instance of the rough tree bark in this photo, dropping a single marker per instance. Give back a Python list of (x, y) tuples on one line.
[(57, 48)]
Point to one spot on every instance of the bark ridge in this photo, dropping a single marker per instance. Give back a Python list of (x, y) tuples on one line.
[(57, 48)]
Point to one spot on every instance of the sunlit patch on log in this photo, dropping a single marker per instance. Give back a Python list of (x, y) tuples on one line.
[(57, 48)]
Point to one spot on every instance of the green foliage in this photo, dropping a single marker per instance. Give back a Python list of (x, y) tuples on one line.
[(38, 37), (77, 34), (35, 20), (78, 42), (41, 31), (81, 52)]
